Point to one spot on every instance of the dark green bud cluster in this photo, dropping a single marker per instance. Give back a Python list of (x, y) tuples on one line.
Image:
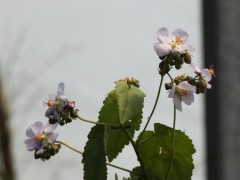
[(174, 59), (48, 151), (198, 81), (67, 116)]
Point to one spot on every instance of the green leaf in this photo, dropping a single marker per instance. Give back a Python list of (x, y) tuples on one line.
[(137, 174), (130, 101), (94, 157), (156, 147), (115, 138)]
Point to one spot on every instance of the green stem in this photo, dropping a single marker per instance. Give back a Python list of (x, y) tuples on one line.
[(173, 144), (121, 168), (170, 77), (106, 124), (154, 107), (70, 147), (80, 152), (136, 151)]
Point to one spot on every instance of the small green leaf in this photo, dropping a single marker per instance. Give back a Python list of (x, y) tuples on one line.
[(94, 157), (130, 101), (156, 147), (115, 138)]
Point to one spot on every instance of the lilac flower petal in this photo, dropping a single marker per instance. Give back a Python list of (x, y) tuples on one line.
[(185, 85), (163, 36), (209, 86), (53, 113), (52, 97), (162, 49), (171, 92), (177, 102), (40, 151), (60, 91), (29, 132), (189, 99), (35, 128), (30, 144), (183, 48), (206, 74), (49, 128), (52, 137), (182, 34), (195, 68)]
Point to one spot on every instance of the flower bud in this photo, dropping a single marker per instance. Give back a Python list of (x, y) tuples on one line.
[(164, 68), (187, 58), (168, 86)]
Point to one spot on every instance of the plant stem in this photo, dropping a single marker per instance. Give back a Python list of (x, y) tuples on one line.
[(80, 152), (70, 147), (173, 144), (170, 77), (154, 107), (136, 151), (107, 124)]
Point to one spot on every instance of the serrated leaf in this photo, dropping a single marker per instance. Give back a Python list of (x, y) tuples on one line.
[(130, 101), (115, 138), (94, 157), (156, 147)]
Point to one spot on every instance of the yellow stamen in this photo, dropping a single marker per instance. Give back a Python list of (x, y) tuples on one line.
[(40, 137), (211, 70), (50, 102)]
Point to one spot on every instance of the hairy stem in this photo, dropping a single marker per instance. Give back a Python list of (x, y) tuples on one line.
[(173, 144), (154, 107), (136, 151), (80, 152), (93, 122), (70, 147)]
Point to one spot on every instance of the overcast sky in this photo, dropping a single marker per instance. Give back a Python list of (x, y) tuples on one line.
[(88, 45)]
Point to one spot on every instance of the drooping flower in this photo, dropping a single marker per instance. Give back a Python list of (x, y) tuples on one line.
[(182, 92), (39, 136), (205, 75), (175, 42)]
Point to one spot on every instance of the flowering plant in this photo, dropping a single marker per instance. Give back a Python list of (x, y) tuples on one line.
[(163, 153)]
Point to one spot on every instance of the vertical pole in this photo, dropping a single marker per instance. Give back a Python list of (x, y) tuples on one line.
[(222, 48)]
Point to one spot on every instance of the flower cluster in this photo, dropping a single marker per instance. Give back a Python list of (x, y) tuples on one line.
[(60, 109), (174, 52), (172, 49), (41, 139)]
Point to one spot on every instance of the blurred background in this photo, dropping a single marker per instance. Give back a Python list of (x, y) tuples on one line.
[(88, 45)]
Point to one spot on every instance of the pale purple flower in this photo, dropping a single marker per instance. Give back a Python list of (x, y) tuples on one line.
[(39, 136), (205, 74), (182, 92), (59, 99), (56, 103), (175, 42)]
